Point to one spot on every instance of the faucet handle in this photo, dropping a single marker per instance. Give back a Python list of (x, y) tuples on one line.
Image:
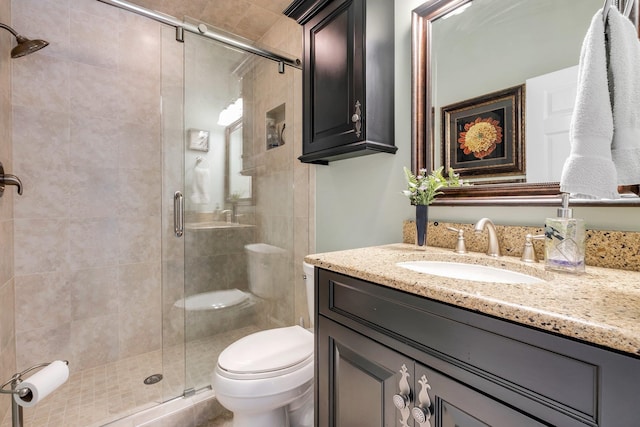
[(460, 245), (529, 253)]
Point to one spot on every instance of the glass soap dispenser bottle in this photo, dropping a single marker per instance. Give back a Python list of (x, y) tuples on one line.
[(564, 240)]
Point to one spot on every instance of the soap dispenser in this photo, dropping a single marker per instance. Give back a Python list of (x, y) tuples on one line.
[(564, 240)]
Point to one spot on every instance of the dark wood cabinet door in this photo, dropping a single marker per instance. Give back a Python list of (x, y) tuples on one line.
[(333, 76), (348, 78), (449, 403), (357, 379)]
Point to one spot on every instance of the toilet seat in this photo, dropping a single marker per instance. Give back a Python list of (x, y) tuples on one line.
[(214, 300), (255, 356)]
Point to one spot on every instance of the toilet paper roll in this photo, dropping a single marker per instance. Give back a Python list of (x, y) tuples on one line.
[(42, 383)]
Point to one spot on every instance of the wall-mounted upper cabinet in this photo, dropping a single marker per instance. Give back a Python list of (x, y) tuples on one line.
[(348, 78)]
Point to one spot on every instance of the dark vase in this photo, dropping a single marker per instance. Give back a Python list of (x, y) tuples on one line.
[(422, 216)]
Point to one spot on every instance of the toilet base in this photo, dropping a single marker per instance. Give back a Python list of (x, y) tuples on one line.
[(277, 417)]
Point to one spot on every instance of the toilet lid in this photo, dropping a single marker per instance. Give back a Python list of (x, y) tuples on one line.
[(269, 350), (213, 300)]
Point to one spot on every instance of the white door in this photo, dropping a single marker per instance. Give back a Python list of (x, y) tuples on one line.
[(549, 104)]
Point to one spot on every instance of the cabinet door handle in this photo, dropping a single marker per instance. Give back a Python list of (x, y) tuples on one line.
[(402, 400), (421, 415), (356, 118), (178, 214), (422, 411)]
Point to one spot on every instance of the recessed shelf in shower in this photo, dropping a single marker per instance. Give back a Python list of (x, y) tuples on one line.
[(275, 127)]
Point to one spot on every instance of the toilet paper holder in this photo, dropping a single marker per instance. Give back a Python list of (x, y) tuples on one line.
[(14, 382)]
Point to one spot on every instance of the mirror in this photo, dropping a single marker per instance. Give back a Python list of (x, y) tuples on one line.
[(471, 59), (237, 185)]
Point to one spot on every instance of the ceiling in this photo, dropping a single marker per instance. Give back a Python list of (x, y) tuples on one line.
[(250, 19)]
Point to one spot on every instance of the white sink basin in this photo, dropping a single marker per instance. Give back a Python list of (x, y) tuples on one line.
[(459, 270)]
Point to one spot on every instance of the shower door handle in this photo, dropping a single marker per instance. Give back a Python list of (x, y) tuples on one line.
[(178, 214)]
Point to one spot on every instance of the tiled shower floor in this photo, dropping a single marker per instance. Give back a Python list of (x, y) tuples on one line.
[(99, 395)]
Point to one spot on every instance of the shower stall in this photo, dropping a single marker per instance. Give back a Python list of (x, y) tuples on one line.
[(177, 145)]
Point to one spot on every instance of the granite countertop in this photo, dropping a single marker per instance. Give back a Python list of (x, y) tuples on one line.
[(601, 307)]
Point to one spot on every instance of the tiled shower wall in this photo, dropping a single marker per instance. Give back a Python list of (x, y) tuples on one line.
[(283, 216), (7, 328), (86, 126)]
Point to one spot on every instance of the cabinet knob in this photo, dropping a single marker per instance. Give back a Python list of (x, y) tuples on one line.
[(421, 415), (401, 401)]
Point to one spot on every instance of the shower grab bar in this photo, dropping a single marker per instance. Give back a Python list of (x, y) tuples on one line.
[(203, 31), (178, 214)]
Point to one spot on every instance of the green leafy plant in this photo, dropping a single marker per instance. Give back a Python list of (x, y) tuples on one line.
[(422, 189)]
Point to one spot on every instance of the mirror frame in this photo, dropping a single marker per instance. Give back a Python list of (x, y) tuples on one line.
[(422, 154), (238, 124)]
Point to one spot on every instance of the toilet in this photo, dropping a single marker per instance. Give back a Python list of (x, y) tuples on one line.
[(266, 378)]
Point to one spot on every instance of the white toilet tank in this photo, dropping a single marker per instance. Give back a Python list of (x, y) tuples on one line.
[(267, 267), (308, 282)]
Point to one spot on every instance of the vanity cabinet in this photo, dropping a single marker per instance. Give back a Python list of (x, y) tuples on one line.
[(382, 354), (348, 78)]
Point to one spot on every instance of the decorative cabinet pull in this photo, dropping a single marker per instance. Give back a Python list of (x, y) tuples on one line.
[(357, 119), (422, 412), (402, 400)]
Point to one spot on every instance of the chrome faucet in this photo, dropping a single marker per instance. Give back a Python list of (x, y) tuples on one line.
[(494, 246), (228, 213)]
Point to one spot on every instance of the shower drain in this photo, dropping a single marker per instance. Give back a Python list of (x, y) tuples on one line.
[(152, 379)]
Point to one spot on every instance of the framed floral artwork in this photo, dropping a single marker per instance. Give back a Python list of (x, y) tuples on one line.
[(484, 137), (198, 139)]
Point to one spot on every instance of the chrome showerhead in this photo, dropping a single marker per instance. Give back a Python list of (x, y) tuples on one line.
[(25, 46)]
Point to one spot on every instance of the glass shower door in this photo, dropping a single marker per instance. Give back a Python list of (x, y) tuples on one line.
[(238, 201)]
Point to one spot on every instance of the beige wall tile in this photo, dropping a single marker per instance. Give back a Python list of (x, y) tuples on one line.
[(41, 140), (40, 245), (93, 142), (93, 292), (6, 256), (95, 41), (139, 299), (43, 344), (139, 99), (7, 327), (40, 81), (93, 342), (7, 369), (139, 239), (43, 300), (138, 147), (94, 91), (93, 242), (139, 192), (93, 192)]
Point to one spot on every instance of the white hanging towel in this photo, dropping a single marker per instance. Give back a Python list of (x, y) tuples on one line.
[(589, 171), (200, 191), (605, 126), (624, 63)]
